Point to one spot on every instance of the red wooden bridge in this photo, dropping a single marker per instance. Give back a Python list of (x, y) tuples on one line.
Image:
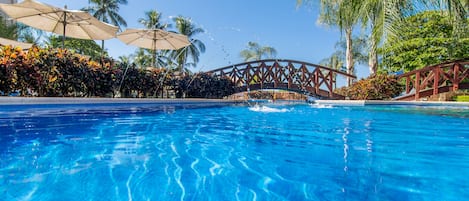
[(432, 80), (302, 77)]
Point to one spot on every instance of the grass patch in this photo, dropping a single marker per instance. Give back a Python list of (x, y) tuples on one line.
[(462, 98)]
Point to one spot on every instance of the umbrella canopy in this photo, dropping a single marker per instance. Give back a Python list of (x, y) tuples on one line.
[(14, 43), (70, 23), (153, 39)]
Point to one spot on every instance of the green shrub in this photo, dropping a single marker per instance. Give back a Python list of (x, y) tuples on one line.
[(377, 87), (462, 98), (59, 72), (202, 85)]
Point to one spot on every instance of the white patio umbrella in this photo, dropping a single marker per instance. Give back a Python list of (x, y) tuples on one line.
[(153, 39), (70, 23), (14, 43)]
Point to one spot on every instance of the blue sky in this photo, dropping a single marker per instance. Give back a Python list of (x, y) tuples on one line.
[(230, 24)]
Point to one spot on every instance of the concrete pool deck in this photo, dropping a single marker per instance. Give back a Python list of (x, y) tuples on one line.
[(66, 100)]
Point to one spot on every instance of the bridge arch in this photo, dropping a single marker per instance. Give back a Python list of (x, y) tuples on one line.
[(303, 77)]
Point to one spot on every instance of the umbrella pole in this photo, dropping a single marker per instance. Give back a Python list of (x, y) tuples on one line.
[(154, 48), (154, 58), (65, 24), (102, 48)]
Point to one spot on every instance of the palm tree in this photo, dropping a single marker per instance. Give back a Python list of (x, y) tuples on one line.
[(107, 11), (152, 20), (7, 29), (384, 16), (345, 15), (186, 27), (125, 60), (19, 31), (335, 61), (256, 52)]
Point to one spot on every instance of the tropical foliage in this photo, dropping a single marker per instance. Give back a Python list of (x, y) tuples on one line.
[(7, 29), (18, 31), (152, 20), (79, 46), (427, 39), (255, 52), (186, 27), (375, 87), (107, 11), (385, 18), (336, 60), (202, 85), (59, 72), (344, 15)]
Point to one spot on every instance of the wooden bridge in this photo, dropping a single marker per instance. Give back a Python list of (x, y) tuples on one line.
[(302, 77), (432, 80)]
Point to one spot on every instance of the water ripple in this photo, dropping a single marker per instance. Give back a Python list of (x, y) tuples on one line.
[(306, 153)]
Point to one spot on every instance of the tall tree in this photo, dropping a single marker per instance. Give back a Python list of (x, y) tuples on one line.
[(427, 39), (256, 52), (152, 20), (186, 27), (107, 11), (80, 46), (343, 14), (7, 29), (19, 31)]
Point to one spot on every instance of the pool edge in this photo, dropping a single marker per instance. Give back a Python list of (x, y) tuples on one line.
[(66, 100), (378, 102)]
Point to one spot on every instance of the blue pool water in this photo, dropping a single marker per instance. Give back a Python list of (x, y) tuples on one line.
[(275, 152)]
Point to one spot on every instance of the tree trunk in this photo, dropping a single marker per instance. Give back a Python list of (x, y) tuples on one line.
[(373, 56), (349, 55)]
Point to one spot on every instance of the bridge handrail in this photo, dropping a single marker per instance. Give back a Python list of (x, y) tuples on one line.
[(435, 79), (431, 67), (282, 60)]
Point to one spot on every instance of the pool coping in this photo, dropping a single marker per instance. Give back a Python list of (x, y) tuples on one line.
[(74, 100), (379, 102)]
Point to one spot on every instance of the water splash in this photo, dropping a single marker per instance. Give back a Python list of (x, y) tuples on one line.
[(258, 108), (320, 106)]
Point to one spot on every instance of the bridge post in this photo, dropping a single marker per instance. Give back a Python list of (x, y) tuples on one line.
[(316, 80), (417, 85), (407, 84), (247, 72), (275, 70), (456, 76), (436, 80), (331, 84), (262, 77)]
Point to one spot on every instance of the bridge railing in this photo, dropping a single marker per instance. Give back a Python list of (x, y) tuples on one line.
[(282, 74), (435, 79)]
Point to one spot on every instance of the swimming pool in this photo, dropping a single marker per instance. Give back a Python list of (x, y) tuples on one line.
[(236, 152)]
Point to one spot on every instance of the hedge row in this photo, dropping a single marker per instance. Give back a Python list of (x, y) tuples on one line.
[(60, 73), (376, 87)]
